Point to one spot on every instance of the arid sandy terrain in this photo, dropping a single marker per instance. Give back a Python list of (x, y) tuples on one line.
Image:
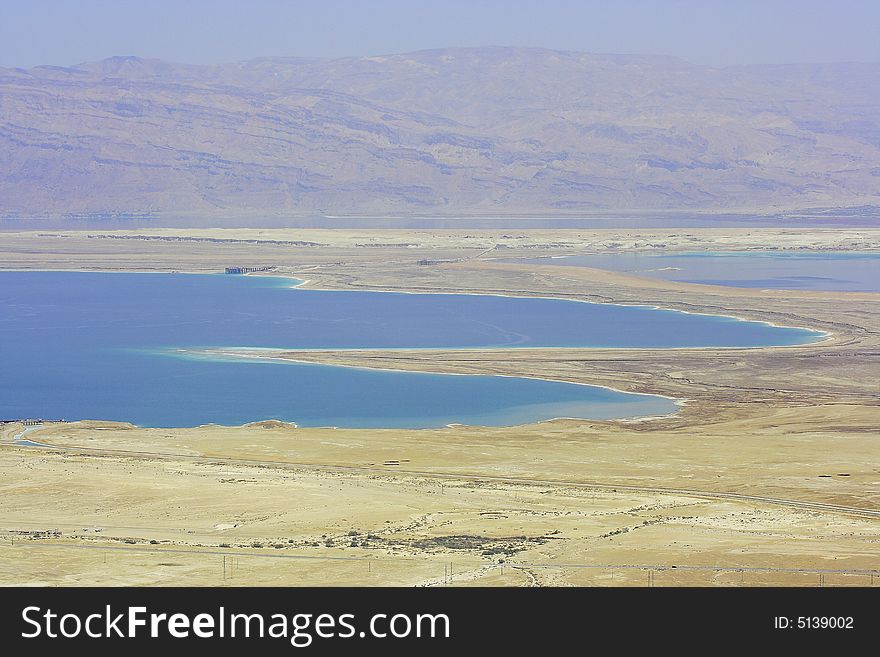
[(770, 474)]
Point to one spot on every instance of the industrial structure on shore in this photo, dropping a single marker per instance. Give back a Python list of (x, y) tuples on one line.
[(247, 270)]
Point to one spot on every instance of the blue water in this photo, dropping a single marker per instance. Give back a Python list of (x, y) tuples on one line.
[(842, 271), (102, 346)]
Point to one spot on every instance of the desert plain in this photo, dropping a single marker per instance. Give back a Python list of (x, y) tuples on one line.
[(768, 475)]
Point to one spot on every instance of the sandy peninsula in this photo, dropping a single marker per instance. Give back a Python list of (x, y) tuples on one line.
[(768, 475)]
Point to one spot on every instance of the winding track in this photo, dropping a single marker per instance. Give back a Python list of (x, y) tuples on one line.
[(517, 565)]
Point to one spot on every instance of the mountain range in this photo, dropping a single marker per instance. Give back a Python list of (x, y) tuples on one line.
[(448, 132)]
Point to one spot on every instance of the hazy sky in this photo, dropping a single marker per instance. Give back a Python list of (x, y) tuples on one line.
[(714, 32)]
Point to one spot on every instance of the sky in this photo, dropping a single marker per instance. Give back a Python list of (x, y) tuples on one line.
[(713, 32)]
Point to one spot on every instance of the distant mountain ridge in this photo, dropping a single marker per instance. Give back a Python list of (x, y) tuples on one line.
[(456, 131)]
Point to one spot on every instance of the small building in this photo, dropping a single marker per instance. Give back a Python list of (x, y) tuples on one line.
[(247, 270)]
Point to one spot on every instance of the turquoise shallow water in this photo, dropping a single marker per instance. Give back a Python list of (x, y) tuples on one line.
[(89, 345), (843, 271)]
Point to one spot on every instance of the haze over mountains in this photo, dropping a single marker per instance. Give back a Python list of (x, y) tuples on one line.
[(457, 131)]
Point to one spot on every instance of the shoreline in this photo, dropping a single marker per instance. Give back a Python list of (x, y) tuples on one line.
[(236, 353), (769, 465), (822, 335), (678, 401)]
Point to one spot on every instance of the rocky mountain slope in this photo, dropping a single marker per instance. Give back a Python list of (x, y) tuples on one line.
[(482, 130)]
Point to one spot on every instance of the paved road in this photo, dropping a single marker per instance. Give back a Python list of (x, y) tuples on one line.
[(27, 430)]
